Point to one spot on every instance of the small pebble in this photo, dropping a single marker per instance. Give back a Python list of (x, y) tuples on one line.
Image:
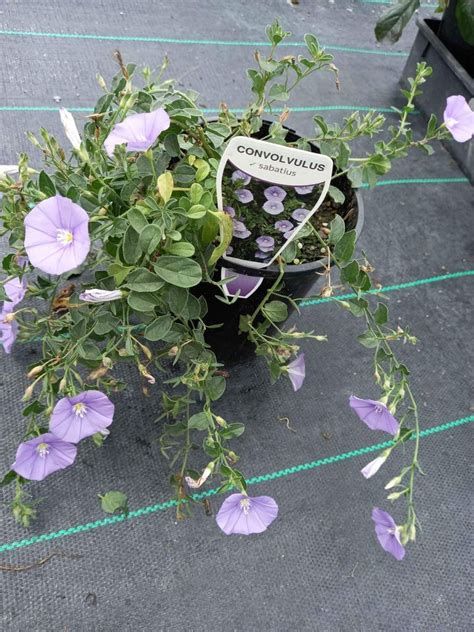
[(57, 99)]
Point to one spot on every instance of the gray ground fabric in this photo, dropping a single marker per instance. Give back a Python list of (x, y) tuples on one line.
[(318, 567)]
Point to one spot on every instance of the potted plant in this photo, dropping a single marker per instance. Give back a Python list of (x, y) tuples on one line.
[(120, 243), (447, 45)]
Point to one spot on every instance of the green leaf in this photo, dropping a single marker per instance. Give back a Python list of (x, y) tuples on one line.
[(171, 144), (465, 19), (393, 21), (142, 301), (178, 271), (8, 478), (199, 421), (165, 185), (381, 314), (119, 272), (345, 246), (114, 502), (276, 311), (181, 248), (350, 273), (105, 323), (177, 299), (149, 239), (215, 387), (131, 248), (232, 430), (195, 193), (225, 236), (368, 339), (336, 195), (46, 185), (89, 351), (196, 211), (142, 280), (278, 92), (137, 219), (337, 228), (159, 328)]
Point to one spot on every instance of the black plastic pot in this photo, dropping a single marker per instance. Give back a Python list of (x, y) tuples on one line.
[(228, 344), (451, 37), (449, 78)]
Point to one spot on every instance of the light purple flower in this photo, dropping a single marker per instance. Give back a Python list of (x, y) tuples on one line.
[(374, 414), (57, 235), (229, 210), (275, 194), (15, 289), (297, 372), (265, 243), (243, 515), (241, 177), (388, 534), (373, 467), (74, 418), (229, 250), (243, 195), (8, 327), (273, 207), (43, 455), (261, 255), (240, 229), (139, 131), (289, 234), (244, 284), (97, 295), (459, 118), (304, 190), (283, 225), (300, 214)]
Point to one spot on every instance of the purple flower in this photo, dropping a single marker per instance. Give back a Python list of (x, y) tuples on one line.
[(374, 414), (276, 194), (229, 210), (241, 177), (57, 235), (43, 455), (373, 467), (139, 131), (75, 418), (240, 229), (229, 250), (265, 243), (261, 255), (15, 289), (243, 195), (297, 372), (8, 327), (243, 515), (96, 295), (289, 234), (388, 534), (283, 225), (273, 207), (242, 283), (459, 118), (304, 190), (300, 214)]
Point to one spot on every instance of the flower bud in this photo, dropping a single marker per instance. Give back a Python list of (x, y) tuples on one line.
[(221, 421), (326, 291), (173, 351), (62, 384), (396, 480), (7, 170), (143, 371), (70, 128), (96, 295), (202, 479), (101, 82), (28, 393), (97, 373), (36, 370), (395, 495)]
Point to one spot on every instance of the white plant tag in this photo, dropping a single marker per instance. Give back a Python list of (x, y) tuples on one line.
[(257, 172)]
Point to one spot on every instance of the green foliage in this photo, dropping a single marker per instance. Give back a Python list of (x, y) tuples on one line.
[(114, 503)]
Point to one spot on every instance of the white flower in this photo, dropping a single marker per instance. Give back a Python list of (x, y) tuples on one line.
[(373, 467), (70, 128), (100, 296), (7, 170), (201, 480)]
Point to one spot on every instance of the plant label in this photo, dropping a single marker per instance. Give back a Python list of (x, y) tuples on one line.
[(271, 191)]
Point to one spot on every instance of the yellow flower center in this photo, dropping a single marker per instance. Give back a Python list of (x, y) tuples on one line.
[(64, 236), (80, 409), (245, 504), (42, 449)]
